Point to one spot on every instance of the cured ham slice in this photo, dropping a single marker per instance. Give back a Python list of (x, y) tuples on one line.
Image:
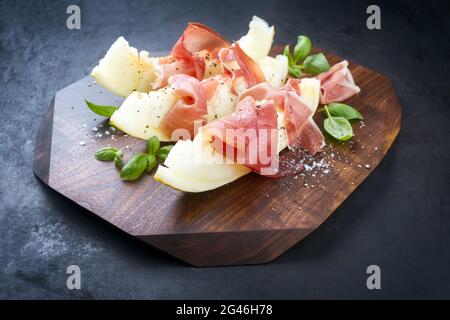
[(254, 124), (195, 54), (301, 129), (165, 67), (244, 71), (197, 37), (190, 107), (247, 136), (337, 84)]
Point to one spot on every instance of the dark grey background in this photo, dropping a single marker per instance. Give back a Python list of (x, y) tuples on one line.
[(398, 219)]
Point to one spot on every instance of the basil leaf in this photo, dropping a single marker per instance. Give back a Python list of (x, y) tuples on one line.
[(302, 48), (118, 159), (315, 64), (105, 111), (344, 111), (135, 167), (288, 55), (295, 71), (164, 152), (106, 154), (151, 162), (153, 145), (339, 128)]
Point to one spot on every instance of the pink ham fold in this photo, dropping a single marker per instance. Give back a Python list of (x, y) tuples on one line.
[(185, 56), (248, 136), (301, 129), (165, 67), (257, 111), (197, 37), (337, 84), (190, 107), (238, 65)]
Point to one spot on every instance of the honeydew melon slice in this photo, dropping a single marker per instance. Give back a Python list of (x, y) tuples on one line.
[(135, 116), (310, 92), (123, 70), (258, 41), (192, 167), (275, 69)]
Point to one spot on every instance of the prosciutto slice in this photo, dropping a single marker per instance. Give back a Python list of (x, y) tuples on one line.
[(247, 136), (197, 37), (189, 109), (301, 129), (165, 67), (195, 51), (241, 68), (337, 84), (256, 113)]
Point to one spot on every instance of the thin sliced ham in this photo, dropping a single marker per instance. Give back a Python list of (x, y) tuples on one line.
[(247, 136), (337, 84), (165, 67), (189, 109), (293, 84), (195, 54), (244, 71), (256, 113), (301, 129), (197, 37)]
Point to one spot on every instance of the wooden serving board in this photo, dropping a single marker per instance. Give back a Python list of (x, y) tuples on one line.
[(252, 220)]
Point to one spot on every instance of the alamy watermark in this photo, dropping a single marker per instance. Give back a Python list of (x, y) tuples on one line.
[(74, 280), (73, 21), (374, 20), (373, 282)]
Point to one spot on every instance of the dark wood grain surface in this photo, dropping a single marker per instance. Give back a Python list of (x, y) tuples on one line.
[(252, 220)]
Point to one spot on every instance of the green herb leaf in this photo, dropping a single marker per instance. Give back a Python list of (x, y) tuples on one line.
[(164, 152), (302, 48), (105, 111), (153, 145), (344, 111), (151, 162), (315, 64), (118, 159), (338, 127), (287, 53), (295, 71), (106, 154), (135, 167)]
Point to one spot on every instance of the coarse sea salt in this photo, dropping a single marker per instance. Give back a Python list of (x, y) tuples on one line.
[(322, 164)]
